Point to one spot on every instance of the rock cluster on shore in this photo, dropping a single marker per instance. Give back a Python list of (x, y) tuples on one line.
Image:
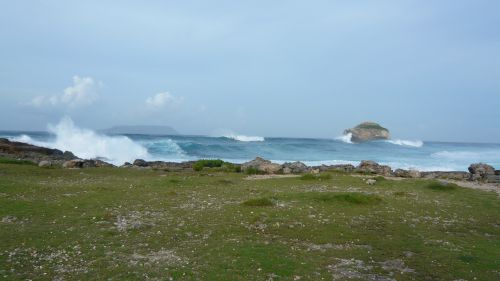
[(46, 157)]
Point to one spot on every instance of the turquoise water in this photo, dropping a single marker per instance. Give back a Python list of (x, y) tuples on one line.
[(443, 156)]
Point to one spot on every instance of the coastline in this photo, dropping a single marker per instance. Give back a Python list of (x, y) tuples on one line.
[(479, 176)]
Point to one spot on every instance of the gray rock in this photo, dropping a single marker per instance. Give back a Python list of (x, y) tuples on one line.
[(370, 181), (480, 171), (493, 178), (140, 163), (445, 175), (73, 164), (295, 168), (372, 167), (44, 164), (407, 173), (261, 165), (367, 131)]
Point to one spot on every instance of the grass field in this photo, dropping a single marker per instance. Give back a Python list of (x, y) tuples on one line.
[(137, 224)]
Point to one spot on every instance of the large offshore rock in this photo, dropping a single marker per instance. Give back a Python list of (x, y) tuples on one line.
[(367, 131)]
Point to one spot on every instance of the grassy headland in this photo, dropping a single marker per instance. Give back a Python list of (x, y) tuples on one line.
[(127, 223)]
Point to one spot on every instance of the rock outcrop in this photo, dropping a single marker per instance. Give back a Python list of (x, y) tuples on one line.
[(84, 163), (36, 154), (295, 168), (483, 172), (367, 131), (261, 165), (372, 167)]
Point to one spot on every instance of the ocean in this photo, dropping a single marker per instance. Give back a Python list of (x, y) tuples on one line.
[(117, 149)]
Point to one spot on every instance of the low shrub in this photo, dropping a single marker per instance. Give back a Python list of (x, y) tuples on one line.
[(200, 164), (259, 202), (15, 161), (316, 177), (352, 198)]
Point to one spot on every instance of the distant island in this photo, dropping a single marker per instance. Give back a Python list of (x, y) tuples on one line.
[(367, 131), (140, 130)]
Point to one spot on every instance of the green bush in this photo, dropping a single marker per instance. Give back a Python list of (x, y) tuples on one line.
[(15, 161), (200, 164), (308, 177), (252, 171), (259, 202)]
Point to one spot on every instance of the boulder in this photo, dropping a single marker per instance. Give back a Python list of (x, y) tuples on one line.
[(73, 164), (295, 168), (371, 181), (140, 163), (445, 175), (407, 173), (261, 165), (373, 167), (348, 168), (493, 178), (367, 131), (480, 171), (44, 164)]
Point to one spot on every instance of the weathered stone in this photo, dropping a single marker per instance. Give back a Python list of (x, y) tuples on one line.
[(73, 164), (407, 173), (367, 131), (372, 167), (295, 167), (480, 171), (445, 175), (261, 165), (140, 163), (493, 178), (370, 181), (44, 163)]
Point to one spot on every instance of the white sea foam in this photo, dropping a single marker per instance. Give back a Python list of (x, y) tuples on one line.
[(347, 138), (87, 144), (412, 143), (244, 138)]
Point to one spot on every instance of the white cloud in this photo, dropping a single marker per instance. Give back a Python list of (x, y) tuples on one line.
[(82, 92), (162, 99)]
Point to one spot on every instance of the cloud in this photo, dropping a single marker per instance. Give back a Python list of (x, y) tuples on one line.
[(83, 92), (162, 99)]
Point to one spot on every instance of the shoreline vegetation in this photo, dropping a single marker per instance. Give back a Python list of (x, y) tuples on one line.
[(63, 218)]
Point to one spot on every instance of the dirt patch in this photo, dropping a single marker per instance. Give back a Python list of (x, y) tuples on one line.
[(266, 177), (358, 269), (163, 256)]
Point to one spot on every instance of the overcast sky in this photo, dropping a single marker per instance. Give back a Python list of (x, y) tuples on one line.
[(427, 70)]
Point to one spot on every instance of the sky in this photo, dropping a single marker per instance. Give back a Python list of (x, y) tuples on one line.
[(427, 70)]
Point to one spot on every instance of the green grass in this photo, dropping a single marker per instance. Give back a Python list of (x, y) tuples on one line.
[(137, 224), (441, 186), (373, 126), (322, 176), (352, 198), (16, 162), (259, 202)]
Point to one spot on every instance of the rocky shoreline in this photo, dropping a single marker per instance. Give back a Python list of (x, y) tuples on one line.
[(46, 157)]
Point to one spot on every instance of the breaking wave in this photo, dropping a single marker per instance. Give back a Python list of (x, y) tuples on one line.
[(345, 138), (244, 138), (88, 144), (412, 143)]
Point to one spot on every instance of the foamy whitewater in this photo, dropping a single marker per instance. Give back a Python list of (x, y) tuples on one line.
[(117, 149)]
